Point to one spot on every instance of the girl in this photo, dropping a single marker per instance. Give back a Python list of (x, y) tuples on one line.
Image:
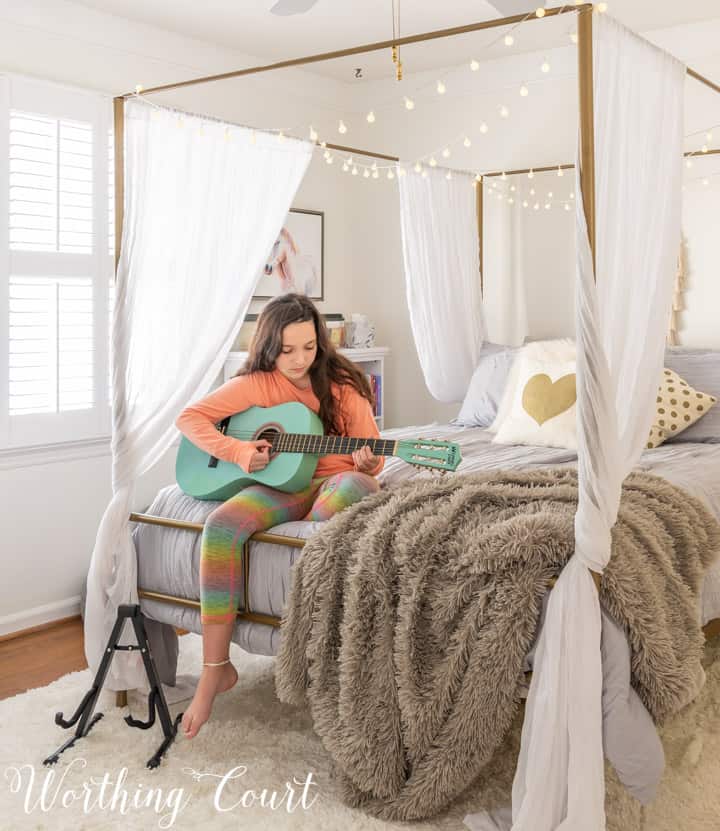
[(291, 359)]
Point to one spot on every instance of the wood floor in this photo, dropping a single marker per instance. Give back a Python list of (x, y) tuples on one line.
[(37, 658)]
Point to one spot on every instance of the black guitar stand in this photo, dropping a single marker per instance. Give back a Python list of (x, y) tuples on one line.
[(156, 698)]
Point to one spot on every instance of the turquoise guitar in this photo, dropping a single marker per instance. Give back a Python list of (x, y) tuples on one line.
[(296, 435)]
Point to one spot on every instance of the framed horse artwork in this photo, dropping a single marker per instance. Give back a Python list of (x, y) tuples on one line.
[(296, 260)]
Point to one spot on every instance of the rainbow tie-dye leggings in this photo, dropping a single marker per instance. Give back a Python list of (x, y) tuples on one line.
[(257, 508)]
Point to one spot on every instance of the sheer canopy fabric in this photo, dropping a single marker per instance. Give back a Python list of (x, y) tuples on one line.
[(620, 325), (204, 202), (442, 277)]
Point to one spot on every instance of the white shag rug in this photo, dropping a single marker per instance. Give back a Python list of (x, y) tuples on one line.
[(102, 782)]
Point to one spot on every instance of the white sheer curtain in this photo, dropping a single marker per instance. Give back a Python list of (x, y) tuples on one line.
[(620, 323), (505, 272), (442, 277), (204, 202)]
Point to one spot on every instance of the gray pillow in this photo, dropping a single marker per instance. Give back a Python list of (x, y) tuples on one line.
[(701, 369), (486, 386)]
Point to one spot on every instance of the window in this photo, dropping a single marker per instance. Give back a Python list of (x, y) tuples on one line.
[(56, 269)]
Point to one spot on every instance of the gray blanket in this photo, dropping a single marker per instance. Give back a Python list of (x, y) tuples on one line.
[(411, 613)]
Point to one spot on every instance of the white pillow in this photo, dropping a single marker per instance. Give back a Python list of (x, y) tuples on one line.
[(544, 406), (560, 350)]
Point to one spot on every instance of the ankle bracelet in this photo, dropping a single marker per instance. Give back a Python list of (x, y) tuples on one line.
[(216, 663)]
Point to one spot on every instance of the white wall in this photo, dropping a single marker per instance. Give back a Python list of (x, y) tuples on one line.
[(54, 508)]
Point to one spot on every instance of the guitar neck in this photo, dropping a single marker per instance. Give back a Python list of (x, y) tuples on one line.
[(330, 445)]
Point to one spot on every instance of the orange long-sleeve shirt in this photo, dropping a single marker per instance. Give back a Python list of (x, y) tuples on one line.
[(267, 389)]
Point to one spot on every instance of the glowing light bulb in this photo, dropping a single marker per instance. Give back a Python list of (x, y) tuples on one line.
[(401, 171), (373, 166), (138, 89), (511, 201), (449, 175), (536, 206), (346, 167), (366, 174), (370, 117), (567, 206), (561, 172), (531, 174), (688, 163), (704, 148), (524, 91), (545, 66), (329, 160), (424, 174), (509, 40), (602, 7), (326, 155), (432, 161), (574, 37), (390, 174), (354, 171), (709, 136), (503, 176), (313, 134), (547, 206), (478, 177), (466, 142), (409, 103), (474, 65), (550, 194), (540, 12), (375, 174), (418, 167), (341, 127), (440, 88), (525, 203), (532, 191), (512, 188), (281, 136), (706, 182), (446, 153), (504, 111), (484, 128), (572, 195)]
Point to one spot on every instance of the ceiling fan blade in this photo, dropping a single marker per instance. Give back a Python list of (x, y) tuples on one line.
[(288, 7)]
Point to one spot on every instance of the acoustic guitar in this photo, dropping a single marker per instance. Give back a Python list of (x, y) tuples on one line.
[(296, 435)]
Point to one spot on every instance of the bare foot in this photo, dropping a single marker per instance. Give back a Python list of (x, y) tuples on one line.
[(213, 680)]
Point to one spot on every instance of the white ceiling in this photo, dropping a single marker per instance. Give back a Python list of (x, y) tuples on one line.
[(248, 27)]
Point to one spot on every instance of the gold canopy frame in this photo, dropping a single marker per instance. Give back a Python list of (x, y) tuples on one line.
[(587, 178)]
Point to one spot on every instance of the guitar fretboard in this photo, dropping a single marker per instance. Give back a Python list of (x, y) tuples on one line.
[(326, 445)]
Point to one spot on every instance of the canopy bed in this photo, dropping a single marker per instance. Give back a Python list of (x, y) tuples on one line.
[(559, 781)]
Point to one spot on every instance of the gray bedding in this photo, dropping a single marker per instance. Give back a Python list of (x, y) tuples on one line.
[(168, 562)]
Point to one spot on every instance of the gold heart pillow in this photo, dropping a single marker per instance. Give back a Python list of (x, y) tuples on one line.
[(543, 407)]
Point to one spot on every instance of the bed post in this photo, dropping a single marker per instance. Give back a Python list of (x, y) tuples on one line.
[(479, 190), (119, 176), (587, 121), (119, 149)]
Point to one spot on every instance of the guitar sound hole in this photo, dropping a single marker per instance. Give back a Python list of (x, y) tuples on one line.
[(269, 434)]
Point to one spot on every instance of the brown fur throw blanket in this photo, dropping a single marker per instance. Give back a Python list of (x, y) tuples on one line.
[(411, 613)]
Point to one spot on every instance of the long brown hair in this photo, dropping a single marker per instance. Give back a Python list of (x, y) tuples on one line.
[(329, 365)]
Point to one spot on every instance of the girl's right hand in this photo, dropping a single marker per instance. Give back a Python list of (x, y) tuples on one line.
[(261, 456)]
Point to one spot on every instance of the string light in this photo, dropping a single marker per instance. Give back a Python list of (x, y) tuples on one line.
[(370, 117), (706, 182), (466, 142), (531, 174), (446, 153), (354, 171), (424, 174), (550, 194), (704, 148), (366, 174), (341, 127), (474, 65), (326, 155), (449, 175), (567, 206), (478, 177), (503, 176), (409, 103), (504, 111), (572, 195), (281, 136), (511, 201), (432, 161), (138, 89), (602, 7), (524, 91), (313, 134), (484, 128), (401, 171), (532, 191), (440, 88), (545, 67), (561, 172), (536, 206), (329, 160), (688, 163), (509, 40), (525, 203), (512, 188), (346, 167), (390, 174), (574, 37), (709, 136), (540, 12), (418, 167), (375, 174)]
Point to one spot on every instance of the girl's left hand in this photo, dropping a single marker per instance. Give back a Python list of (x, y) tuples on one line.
[(364, 459)]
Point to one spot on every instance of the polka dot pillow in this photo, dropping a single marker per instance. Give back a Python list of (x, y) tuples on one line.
[(678, 406)]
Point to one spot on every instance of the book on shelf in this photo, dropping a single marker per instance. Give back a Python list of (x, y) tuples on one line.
[(375, 382)]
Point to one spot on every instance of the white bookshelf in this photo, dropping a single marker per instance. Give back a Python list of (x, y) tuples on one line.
[(371, 361)]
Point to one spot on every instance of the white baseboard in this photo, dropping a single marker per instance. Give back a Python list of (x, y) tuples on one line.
[(39, 615)]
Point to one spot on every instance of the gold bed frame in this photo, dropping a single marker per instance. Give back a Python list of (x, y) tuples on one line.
[(587, 176)]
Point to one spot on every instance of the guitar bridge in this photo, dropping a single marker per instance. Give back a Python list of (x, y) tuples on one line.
[(222, 427)]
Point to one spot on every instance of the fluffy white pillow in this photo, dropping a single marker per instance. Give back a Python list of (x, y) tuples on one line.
[(561, 350), (544, 406)]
